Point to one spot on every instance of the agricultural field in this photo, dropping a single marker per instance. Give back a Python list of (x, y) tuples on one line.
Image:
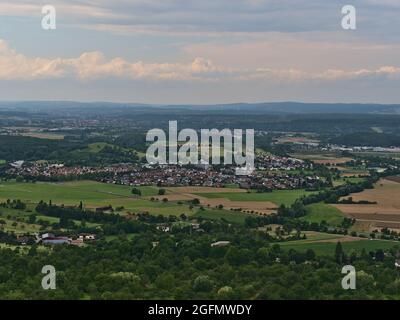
[(321, 157), (95, 194), (43, 135), (328, 248), (92, 194), (234, 198), (319, 212), (345, 180), (277, 197), (200, 193), (97, 147), (230, 216), (325, 244), (297, 139), (386, 213)]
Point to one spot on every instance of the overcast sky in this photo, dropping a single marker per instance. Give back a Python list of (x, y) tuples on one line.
[(200, 51)]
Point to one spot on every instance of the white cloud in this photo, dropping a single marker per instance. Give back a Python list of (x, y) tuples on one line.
[(93, 65)]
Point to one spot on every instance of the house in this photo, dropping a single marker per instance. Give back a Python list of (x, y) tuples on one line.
[(25, 239), (86, 236), (195, 226), (221, 244), (47, 235), (17, 164), (56, 240), (164, 228)]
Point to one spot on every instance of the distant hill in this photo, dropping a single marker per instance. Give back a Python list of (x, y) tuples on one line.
[(252, 108), (298, 108)]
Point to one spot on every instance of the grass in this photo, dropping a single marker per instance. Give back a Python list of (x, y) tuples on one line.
[(92, 194), (318, 212), (344, 180), (43, 135), (99, 146), (328, 248), (286, 197), (230, 216), (128, 236), (20, 228)]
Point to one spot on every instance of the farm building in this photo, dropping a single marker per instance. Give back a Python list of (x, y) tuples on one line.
[(49, 238), (220, 244)]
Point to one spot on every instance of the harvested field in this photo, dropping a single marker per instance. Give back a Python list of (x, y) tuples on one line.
[(42, 135), (204, 190), (332, 161), (297, 140), (190, 193), (265, 207), (335, 240), (394, 179), (386, 211), (328, 158)]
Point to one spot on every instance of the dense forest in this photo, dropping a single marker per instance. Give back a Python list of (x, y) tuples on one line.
[(184, 266), (371, 139)]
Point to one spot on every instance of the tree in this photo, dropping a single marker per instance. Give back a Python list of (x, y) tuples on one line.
[(137, 192), (379, 255), (32, 218), (161, 192), (310, 254), (202, 284), (339, 254)]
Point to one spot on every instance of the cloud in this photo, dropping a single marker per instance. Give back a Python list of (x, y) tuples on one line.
[(208, 16), (93, 65)]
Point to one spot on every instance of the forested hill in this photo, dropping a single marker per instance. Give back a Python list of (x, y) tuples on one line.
[(372, 139), (263, 107)]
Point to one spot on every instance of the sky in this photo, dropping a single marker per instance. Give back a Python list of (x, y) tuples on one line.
[(200, 51)]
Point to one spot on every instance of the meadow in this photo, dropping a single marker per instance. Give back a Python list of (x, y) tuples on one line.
[(328, 247), (92, 194), (230, 216), (278, 197), (318, 212)]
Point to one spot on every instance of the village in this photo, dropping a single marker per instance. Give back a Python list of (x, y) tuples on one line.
[(272, 173)]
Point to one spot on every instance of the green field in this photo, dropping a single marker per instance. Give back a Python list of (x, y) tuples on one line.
[(286, 197), (342, 181), (318, 212), (92, 194), (328, 248), (230, 216), (20, 227)]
